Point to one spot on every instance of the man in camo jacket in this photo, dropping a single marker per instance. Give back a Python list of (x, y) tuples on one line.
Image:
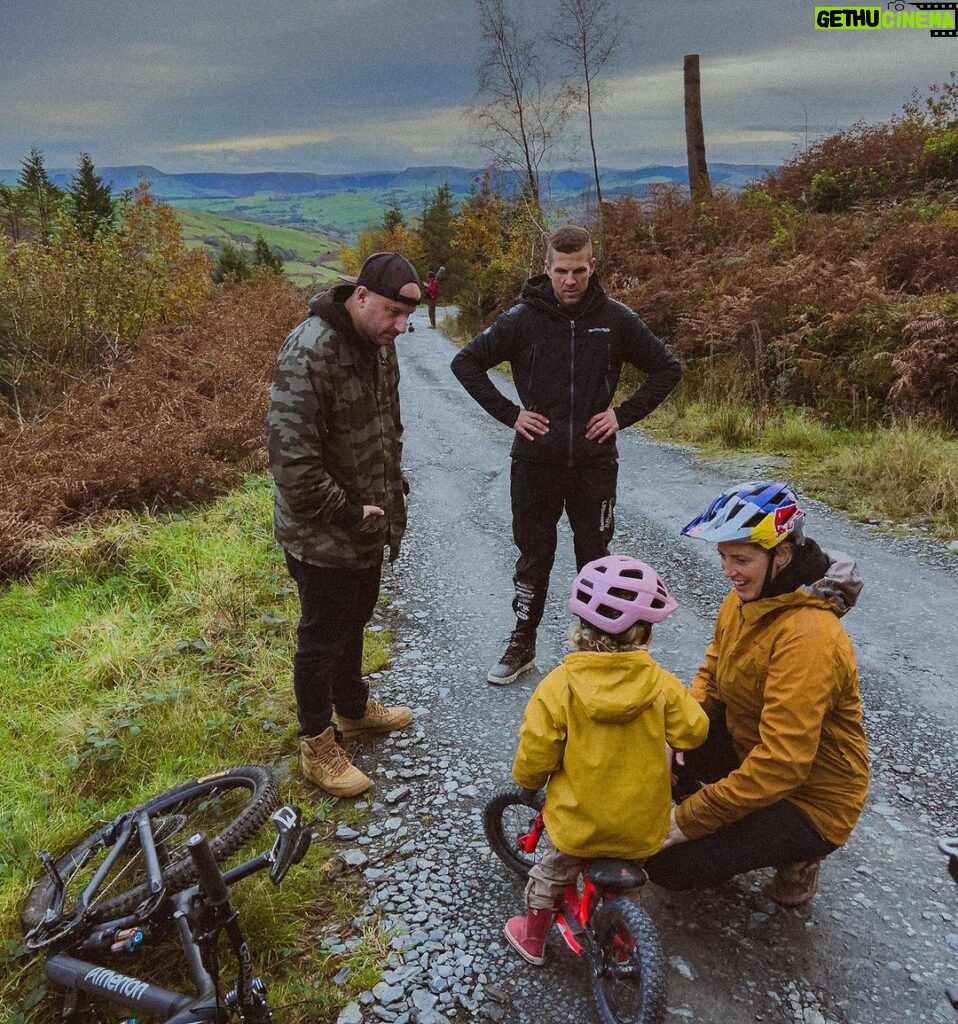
[(335, 444)]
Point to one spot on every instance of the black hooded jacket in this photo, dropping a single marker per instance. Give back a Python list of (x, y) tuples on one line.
[(566, 364)]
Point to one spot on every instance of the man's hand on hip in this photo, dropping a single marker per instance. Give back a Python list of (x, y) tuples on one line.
[(529, 424), (372, 510), (602, 426)]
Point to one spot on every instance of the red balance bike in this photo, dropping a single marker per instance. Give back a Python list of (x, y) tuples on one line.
[(597, 919)]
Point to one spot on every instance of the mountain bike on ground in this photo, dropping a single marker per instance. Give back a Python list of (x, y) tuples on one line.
[(597, 919), (151, 873)]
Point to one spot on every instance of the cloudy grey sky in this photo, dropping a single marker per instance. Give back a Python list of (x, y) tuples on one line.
[(339, 85)]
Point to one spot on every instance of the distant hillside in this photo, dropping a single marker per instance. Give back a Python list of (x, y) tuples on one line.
[(341, 205), (308, 258), (217, 185)]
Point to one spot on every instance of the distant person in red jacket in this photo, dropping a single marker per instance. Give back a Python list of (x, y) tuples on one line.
[(432, 293)]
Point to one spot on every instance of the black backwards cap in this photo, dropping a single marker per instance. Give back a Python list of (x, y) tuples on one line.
[(385, 273)]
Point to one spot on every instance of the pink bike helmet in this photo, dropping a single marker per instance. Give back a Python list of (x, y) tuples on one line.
[(616, 592)]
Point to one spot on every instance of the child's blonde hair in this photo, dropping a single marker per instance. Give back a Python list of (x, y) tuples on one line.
[(587, 638)]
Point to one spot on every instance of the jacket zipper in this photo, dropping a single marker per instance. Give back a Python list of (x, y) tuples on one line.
[(571, 387)]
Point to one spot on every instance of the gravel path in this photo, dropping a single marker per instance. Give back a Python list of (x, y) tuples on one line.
[(880, 941)]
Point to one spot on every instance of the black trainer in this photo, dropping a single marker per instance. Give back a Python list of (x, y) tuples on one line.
[(519, 657)]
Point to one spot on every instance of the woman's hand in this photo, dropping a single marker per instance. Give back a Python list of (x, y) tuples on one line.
[(676, 835), (673, 758)]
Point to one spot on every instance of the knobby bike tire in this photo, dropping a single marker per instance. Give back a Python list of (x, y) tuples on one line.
[(228, 806), (508, 814), (628, 982)]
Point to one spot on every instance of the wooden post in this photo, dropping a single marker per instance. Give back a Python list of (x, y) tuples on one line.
[(700, 184)]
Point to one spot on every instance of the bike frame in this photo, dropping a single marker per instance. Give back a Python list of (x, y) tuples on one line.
[(577, 907), (149, 1000), (199, 914), (572, 921)]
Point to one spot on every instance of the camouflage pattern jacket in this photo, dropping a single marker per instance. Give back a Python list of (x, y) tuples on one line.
[(335, 442)]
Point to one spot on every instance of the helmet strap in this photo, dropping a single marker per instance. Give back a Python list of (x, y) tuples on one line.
[(768, 571)]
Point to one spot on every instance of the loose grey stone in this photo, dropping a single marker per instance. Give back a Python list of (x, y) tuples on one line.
[(682, 967), (423, 999), (388, 994), (354, 858), (350, 1014), (431, 1017)]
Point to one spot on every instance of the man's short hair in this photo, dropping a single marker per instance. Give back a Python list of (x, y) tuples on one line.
[(569, 238)]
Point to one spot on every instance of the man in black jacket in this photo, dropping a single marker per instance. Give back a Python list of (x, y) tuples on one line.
[(566, 341)]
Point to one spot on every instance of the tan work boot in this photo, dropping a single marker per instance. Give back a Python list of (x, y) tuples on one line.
[(325, 764), (378, 718), (793, 884)]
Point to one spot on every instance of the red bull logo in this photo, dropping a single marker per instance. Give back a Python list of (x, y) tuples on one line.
[(783, 518)]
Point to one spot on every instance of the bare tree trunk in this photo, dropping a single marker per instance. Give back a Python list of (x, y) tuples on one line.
[(700, 184), (520, 111), (588, 31), (595, 159)]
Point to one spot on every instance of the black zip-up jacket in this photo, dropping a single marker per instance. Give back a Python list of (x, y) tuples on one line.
[(566, 365)]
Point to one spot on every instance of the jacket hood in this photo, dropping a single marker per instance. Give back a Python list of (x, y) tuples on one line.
[(837, 589), (329, 306), (841, 584), (613, 687), (538, 292)]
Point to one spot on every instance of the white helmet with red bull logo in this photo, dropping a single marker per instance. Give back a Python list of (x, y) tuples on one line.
[(764, 512)]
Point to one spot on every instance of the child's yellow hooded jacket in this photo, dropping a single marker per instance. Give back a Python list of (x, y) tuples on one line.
[(596, 729)]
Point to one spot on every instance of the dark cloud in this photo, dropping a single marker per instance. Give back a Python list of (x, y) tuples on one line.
[(367, 84)]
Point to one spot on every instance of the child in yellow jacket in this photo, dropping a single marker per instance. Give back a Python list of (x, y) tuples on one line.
[(595, 733)]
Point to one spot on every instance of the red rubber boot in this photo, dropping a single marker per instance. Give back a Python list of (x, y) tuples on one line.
[(527, 934)]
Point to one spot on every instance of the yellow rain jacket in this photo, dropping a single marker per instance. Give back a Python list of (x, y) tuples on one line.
[(596, 729), (784, 669)]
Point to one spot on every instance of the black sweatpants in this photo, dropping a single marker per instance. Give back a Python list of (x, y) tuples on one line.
[(769, 837), (335, 606), (540, 492)]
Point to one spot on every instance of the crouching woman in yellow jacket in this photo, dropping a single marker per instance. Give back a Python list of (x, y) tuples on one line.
[(783, 776)]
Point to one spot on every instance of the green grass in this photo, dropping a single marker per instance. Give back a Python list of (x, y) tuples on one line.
[(151, 651), (905, 474), (340, 216), (308, 256)]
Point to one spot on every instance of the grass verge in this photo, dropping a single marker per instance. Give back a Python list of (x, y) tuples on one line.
[(154, 650), (902, 475)]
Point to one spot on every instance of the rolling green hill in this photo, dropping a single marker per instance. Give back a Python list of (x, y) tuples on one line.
[(338, 217), (308, 257)]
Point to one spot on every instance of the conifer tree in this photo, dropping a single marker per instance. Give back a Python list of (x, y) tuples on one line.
[(41, 196), (13, 210), (231, 265), (264, 258), (437, 236), (393, 217), (91, 199)]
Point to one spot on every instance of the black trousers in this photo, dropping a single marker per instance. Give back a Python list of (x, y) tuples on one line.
[(335, 606), (540, 492), (772, 836)]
